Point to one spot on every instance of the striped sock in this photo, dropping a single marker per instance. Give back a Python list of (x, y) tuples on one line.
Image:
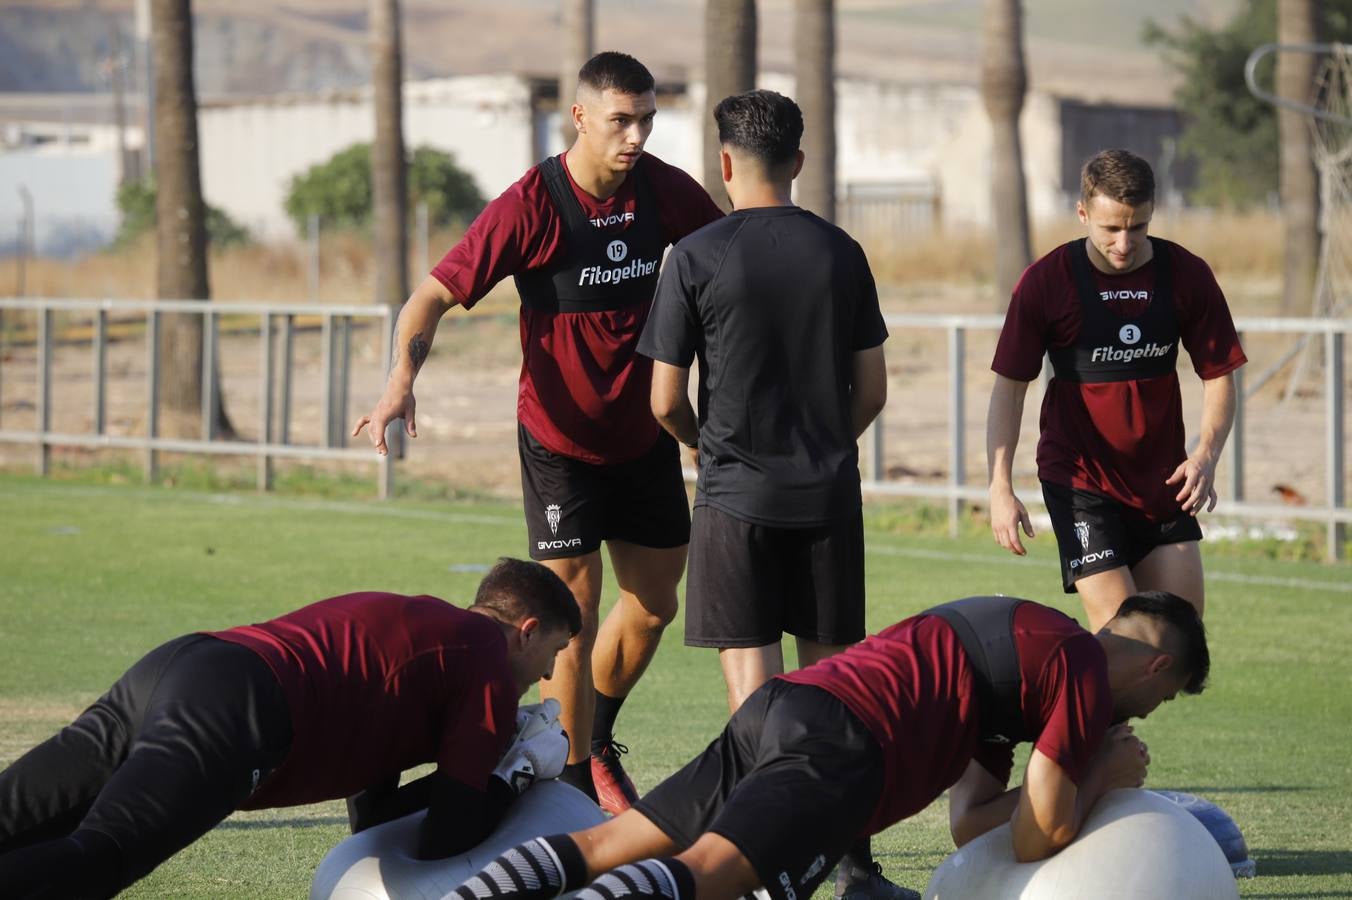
[(536, 870), (667, 879)]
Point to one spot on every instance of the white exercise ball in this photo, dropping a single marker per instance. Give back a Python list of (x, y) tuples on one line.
[(378, 863), (1135, 845)]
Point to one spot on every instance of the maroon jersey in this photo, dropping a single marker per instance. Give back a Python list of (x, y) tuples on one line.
[(1119, 438), (913, 687), (583, 392), (379, 683)]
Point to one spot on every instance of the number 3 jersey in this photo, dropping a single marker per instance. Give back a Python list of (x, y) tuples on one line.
[(1112, 417), (586, 270)]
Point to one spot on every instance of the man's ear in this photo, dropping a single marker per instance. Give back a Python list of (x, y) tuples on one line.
[(1161, 663), (578, 112), (725, 161), (1079, 209), (529, 629), (797, 163)]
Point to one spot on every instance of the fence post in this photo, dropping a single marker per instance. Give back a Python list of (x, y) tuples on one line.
[(312, 245), (877, 450), (265, 400), (100, 370), (208, 375), (284, 389), (326, 369), (1333, 411), (394, 433), (1236, 449), (44, 410), (957, 413), (152, 461)]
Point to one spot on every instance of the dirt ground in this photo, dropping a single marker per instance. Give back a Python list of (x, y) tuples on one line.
[(466, 400)]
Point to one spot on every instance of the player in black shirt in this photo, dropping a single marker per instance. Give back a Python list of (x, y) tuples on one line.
[(781, 310)]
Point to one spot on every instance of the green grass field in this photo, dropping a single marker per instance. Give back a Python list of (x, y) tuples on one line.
[(91, 577)]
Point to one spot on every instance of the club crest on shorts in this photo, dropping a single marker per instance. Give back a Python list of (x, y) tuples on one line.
[(1082, 532), (552, 514)]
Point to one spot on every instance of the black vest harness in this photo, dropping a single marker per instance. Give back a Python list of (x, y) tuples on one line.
[(595, 271), (985, 627), (1109, 347)]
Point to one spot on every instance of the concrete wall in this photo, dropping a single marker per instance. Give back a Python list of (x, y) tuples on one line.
[(251, 151)]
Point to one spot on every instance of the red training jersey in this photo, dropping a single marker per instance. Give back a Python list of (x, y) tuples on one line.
[(583, 391), (1121, 439), (379, 683), (913, 688)]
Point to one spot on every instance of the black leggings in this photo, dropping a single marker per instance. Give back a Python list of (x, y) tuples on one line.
[(176, 745)]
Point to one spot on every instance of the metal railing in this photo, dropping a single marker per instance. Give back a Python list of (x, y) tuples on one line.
[(275, 369), (1334, 512), (336, 323)]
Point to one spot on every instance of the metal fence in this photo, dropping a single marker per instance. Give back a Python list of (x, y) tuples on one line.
[(275, 328), (275, 325), (1333, 513)]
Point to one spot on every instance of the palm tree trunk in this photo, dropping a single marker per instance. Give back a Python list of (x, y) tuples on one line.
[(389, 178), (1298, 183), (180, 220), (579, 30), (1003, 83), (815, 49), (729, 68)]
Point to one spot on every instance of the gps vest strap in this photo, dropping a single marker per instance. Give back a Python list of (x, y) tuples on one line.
[(1101, 351), (586, 275), (985, 628)]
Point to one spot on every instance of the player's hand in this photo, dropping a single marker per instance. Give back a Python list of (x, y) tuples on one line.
[(1197, 475), (539, 750), (1123, 759), (394, 404), (1008, 514)]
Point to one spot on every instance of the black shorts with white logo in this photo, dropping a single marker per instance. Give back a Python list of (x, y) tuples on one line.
[(747, 585), (792, 782), (1096, 533), (572, 506)]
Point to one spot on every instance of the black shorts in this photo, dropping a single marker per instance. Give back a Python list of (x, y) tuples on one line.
[(1096, 533), (572, 506), (748, 585), (792, 782)]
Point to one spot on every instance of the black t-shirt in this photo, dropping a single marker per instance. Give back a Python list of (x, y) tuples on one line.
[(775, 302)]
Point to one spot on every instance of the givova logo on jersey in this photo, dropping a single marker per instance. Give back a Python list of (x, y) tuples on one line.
[(1130, 335), (554, 515), (1082, 535), (617, 251)]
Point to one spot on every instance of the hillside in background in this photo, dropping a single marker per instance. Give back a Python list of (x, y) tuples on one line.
[(257, 46)]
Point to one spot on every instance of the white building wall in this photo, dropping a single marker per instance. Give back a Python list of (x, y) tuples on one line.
[(250, 152)]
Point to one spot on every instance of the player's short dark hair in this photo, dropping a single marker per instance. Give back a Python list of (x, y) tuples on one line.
[(763, 124), (1118, 175), (611, 70), (516, 589), (1188, 633)]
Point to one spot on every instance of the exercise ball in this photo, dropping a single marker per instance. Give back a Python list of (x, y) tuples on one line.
[(378, 863), (1135, 845), (1223, 828)]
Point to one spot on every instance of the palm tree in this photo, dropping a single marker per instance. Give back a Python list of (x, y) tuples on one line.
[(1003, 83), (1298, 183), (389, 178), (579, 34), (729, 68), (815, 49), (180, 220)]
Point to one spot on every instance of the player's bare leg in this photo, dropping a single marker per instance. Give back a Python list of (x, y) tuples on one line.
[(1176, 568), (627, 837), (719, 868), (571, 683), (1102, 593), (625, 644), (629, 636), (747, 668)]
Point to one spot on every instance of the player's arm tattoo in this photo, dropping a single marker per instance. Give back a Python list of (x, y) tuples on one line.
[(417, 351)]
